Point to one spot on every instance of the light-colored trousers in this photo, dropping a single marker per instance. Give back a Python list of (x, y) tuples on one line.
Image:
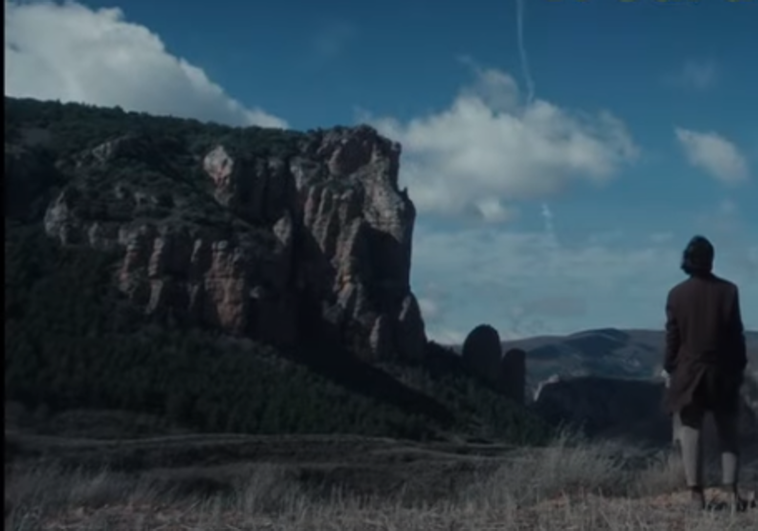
[(690, 440)]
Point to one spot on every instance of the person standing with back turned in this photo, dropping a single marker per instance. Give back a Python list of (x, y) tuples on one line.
[(706, 358)]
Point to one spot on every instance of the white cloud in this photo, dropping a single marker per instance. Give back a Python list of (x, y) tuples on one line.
[(520, 281), (492, 210), (524, 284), (488, 146), (713, 154), (70, 52), (699, 75)]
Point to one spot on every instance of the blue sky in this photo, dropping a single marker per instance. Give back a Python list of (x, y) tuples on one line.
[(556, 182)]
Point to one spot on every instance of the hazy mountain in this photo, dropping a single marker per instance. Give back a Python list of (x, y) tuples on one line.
[(605, 352)]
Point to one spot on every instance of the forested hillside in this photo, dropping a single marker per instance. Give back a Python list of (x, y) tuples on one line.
[(73, 340)]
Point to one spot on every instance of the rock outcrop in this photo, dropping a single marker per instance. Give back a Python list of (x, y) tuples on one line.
[(482, 355), (274, 247), (513, 374)]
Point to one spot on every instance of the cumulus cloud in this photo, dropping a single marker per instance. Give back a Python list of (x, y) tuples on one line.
[(491, 209), (70, 52), (491, 146), (699, 75), (713, 154)]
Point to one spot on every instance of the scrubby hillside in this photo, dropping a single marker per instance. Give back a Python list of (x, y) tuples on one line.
[(225, 279)]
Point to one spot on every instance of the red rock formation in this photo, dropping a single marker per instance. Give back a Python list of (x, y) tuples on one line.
[(329, 225)]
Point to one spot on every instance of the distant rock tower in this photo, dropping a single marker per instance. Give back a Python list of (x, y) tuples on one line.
[(483, 357), (482, 353)]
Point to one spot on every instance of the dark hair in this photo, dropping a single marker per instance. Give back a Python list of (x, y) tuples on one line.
[(697, 258)]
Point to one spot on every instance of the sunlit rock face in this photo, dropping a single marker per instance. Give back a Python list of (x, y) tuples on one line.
[(261, 245)]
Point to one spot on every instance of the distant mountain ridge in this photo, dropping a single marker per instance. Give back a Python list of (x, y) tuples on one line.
[(607, 352)]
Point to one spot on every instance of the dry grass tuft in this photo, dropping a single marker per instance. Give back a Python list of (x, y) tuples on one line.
[(570, 485)]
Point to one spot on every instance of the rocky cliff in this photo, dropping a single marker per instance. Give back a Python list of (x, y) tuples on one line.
[(307, 236)]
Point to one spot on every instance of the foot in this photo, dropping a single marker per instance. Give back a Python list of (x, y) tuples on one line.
[(697, 499), (736, 503)]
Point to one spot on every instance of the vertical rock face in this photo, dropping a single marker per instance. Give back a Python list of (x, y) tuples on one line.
[(259, 238), (358, 229), (482, 353)]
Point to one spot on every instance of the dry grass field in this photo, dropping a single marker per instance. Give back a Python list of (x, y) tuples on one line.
[(349, 483)]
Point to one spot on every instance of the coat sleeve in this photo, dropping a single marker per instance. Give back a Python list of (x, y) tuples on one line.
[(738, 333), (673, 338)]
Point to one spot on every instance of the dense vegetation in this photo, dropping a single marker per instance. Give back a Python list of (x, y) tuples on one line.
[(72, 341), (71, 128), (480, 411)]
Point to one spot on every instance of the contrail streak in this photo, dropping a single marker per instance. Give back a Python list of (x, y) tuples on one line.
[(547, 216), (522, 51)]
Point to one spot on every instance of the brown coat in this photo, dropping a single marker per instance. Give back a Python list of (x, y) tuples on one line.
[(705, 344)]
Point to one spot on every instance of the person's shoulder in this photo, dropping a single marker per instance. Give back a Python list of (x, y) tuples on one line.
[(726, 285), (678, 289)]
